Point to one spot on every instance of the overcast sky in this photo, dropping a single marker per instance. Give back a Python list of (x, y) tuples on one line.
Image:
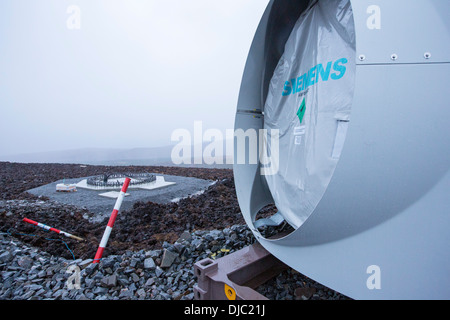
[(119, 73)]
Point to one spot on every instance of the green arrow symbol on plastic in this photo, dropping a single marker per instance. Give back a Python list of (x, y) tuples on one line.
[(301, 111)]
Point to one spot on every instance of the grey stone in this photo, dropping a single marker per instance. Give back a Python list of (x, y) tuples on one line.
[(134, 262), (141, 293), (149, 282), (128, 270), (132, 287), (39, 292), (109, 281), (134, 277), (177, 247), (216, 234), (6, 294), (189, 296), (89, 295), (153, 253), (25, 262), (26, 295), (159, 272), (77, 261), (7, 274), (149, 263), (125, 293), (85, 263), (59, 293), (81, 297), (168, 258), (197, 244), (89, 282), (42, 274), (89, 269), (33, 287), (108, 270), (100, 290), (123, 281), (108, 262), (5, 257), (185, 236)]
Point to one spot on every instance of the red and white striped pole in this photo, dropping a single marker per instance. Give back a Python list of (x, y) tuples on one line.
[(46, 227), (111, 221)]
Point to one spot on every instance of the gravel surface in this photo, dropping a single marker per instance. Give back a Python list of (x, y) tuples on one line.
[(159, 274), (152, 249)]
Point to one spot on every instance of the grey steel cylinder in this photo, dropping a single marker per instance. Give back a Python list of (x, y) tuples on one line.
[(372, 220)]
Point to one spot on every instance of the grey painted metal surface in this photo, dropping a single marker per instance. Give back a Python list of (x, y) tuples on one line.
[(381, 229)]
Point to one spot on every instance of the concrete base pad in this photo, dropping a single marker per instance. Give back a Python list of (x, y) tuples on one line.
[(159, 191), (160, 182), (112, 194)]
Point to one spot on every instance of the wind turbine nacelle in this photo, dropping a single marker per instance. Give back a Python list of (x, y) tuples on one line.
[(348, 101)]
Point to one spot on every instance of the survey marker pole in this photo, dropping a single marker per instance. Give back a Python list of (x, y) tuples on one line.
[(48, 228), (111, 221)]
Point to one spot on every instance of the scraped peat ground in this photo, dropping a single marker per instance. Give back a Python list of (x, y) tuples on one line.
[(145, 226)]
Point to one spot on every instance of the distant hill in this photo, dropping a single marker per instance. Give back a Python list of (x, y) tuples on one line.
[(104, 156), (94, 155)]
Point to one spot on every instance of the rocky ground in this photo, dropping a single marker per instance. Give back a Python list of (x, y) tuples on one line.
[(150, 254)]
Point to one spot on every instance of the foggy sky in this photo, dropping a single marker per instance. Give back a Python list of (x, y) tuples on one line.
[(134, 71)]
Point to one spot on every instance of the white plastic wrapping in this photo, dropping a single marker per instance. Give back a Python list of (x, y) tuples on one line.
[(309, 102)]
